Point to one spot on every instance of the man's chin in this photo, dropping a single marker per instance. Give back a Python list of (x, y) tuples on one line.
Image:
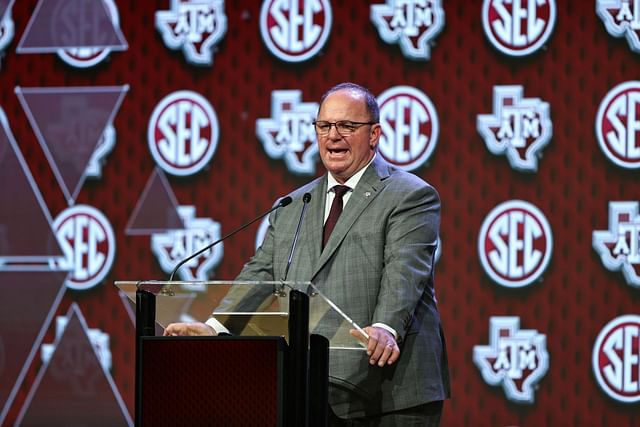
[(336, 171), (335, 166)]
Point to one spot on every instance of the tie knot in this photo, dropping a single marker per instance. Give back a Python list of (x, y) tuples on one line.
[(340, 190)]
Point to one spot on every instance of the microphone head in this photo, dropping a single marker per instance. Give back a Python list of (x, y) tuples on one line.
[(285, 201), (306, 198)]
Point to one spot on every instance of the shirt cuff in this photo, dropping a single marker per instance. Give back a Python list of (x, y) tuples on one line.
[(217, 326), (383, 326)]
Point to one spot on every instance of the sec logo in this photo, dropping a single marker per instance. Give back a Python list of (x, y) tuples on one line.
[(88, 244), (616, 359), (515, 244), (618, 125), (410, 127), (85, 57), (183, 133), (295, 30), (518, 27)]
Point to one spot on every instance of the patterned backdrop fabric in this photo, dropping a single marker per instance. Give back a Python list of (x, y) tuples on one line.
[(532, 293)]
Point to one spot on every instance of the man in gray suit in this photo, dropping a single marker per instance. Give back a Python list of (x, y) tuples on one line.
[(374, 260)]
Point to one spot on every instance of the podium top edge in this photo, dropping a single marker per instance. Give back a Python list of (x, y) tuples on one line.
[(211, 282)]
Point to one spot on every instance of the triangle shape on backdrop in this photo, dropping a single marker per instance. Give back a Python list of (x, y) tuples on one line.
[(156, 210), (73, 384), (28, 304), (26, 234), (64, 24), (69, 123)]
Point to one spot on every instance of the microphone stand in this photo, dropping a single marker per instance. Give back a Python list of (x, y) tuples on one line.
[(283, 202)]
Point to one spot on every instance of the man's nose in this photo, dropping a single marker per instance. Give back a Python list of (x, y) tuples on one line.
[(333, 131)]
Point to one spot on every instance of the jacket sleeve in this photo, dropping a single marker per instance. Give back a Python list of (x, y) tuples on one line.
[(411, 238)]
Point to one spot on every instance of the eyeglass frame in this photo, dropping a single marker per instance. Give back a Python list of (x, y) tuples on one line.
[(355, 125)]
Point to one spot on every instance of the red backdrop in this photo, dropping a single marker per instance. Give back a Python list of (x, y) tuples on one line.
[(574, 183)]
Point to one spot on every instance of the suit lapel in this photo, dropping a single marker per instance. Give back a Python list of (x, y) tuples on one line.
[(367, 189), (313, 224)]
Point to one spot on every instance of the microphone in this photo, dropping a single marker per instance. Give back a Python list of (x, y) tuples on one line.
[(305, 202), (282, 203)]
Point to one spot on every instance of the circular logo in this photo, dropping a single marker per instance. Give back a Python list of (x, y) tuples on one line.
[(515, 244), (409, 127), (518, 28), (295, 30), (616, 359), (183, 133), (85, 57), (88, 244), (618, 125)]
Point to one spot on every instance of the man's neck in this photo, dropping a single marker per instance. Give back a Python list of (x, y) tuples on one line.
[(353, 179)]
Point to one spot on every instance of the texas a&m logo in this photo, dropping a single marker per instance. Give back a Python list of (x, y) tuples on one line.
[(183, 133), (289, 132), (619, 245), (98, 338), (175, 245), (295, 30), (618, 125), (616, 359), (410, 127), (515, 244), (520, 127), (518, 27), (515, 358), (621, 19), (88, 243), (195, 26), (411, 23)]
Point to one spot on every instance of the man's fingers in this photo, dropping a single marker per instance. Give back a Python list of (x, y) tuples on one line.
[(170, 330), (376, 352), (382, 348), (384, 357), (395, 354), (356, 333), (188, 329), (373, 341)]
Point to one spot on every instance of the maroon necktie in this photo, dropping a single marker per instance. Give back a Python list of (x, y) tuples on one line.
[(334, 214)]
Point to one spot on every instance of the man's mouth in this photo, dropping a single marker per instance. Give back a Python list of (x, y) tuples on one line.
[(337, 150)]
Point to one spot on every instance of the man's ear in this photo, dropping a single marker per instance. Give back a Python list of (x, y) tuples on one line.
[(374, 136)]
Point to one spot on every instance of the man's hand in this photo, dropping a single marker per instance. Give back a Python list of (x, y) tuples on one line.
[(189, 329), (382, 347)]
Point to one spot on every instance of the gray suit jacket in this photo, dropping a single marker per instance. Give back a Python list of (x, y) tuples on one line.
[(377, 267)]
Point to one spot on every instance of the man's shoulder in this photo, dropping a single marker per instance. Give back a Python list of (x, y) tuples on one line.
[(307, 188), (399, 177), (407, 181)]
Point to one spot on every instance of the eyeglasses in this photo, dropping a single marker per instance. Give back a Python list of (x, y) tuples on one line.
[(343, 127)]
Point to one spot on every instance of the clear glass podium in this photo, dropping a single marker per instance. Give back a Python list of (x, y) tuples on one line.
[(247, 308), (276, 356)]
